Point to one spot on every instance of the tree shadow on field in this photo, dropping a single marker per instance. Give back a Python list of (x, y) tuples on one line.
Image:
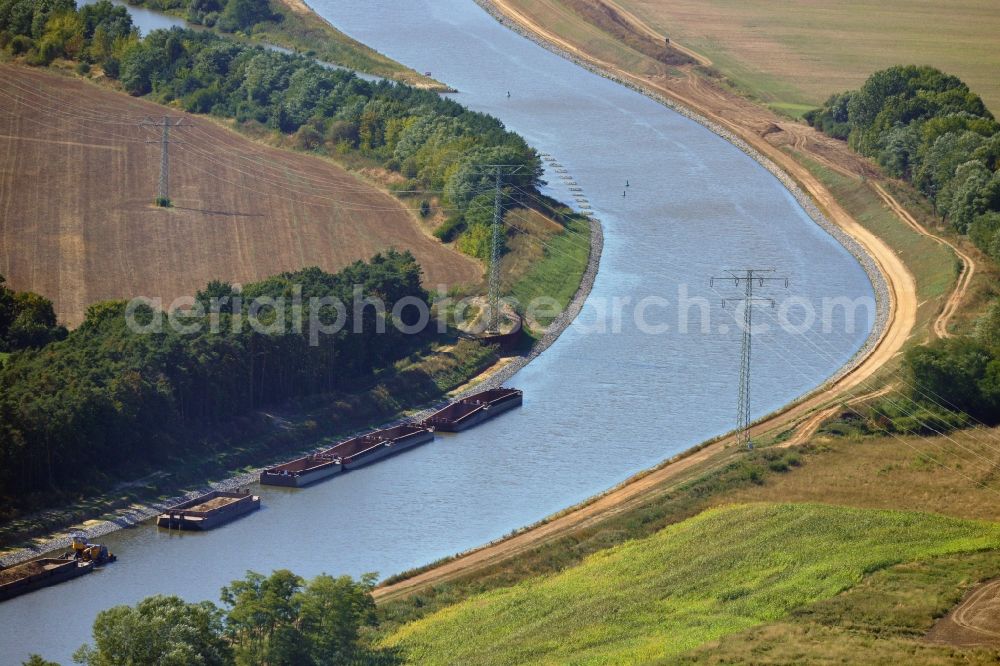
[(217, 212)]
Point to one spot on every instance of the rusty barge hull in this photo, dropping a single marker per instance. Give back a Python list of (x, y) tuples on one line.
[(208, 511), (380, 444), (38, 574), (473, 410), (303, 471)]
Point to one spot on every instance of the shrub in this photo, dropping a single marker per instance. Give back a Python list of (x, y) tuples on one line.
[(21, 44), (450, 228)]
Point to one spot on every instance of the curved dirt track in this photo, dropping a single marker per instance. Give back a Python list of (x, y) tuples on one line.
[(973, 622), (752, 124), (968, 263)]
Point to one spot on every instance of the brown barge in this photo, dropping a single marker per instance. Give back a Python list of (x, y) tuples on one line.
[(303, 471), (380, 444), (475, 409), (209, 511), (36, 574)]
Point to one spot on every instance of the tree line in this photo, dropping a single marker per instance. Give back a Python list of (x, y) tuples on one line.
[(113, 395), (27, 320), (276, 620), (433, 142), (930, 129)]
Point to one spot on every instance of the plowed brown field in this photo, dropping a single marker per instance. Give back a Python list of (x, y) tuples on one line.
[(78, 177)]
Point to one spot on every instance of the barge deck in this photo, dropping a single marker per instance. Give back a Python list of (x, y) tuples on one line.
[(303, 471), (380, 444), (208, 511), (473, 410), (36, 574)]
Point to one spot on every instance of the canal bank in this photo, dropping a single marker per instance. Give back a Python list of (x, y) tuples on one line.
[(602, 403)]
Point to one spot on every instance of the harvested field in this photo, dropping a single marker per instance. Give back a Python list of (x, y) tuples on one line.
[(799, 53), (77, 181)]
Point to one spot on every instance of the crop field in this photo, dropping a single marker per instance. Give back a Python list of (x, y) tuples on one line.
[(795, 54), (721, 572), (78, 177)]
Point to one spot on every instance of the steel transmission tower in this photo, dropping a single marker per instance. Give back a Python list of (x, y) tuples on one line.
[(163, 194), (761, 277), (498, 171)]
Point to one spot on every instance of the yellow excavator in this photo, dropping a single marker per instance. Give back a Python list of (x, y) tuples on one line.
[(90, 552)]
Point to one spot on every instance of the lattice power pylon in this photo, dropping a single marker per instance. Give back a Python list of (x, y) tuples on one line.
[(749, 277)]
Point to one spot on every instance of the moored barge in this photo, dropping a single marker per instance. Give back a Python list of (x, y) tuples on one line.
[(209, 511), (303, 471), (36, 574), (380, 444), (475, 409)]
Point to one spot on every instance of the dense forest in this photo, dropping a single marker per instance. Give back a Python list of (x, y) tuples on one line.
[(111, 394), (433, 142), (929, 129)]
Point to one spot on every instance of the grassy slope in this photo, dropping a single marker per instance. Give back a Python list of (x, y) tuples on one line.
[(933, 265), (721, 572), (798, 53), (550, 263), (304, 30), (880, 621), (301, 29)]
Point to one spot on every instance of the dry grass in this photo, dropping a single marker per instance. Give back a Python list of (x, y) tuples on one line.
[(800, 52), (895, 473), (77, 181)]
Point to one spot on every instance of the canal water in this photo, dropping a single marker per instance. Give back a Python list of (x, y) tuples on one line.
[(598, 407)]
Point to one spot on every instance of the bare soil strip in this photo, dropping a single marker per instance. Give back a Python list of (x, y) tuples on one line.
[(974, 622)]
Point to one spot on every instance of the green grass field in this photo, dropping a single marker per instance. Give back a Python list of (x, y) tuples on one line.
[(558, 271), (721, 572)]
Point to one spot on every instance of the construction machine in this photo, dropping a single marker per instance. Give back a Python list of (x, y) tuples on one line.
[(90, 552)]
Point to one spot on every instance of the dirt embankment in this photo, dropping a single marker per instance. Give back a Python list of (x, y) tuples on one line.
[(78, 175)]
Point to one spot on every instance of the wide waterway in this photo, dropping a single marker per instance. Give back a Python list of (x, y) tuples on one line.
[(598, 406)]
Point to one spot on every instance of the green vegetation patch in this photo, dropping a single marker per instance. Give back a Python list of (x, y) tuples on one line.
[(558, 274), (721, 572)]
